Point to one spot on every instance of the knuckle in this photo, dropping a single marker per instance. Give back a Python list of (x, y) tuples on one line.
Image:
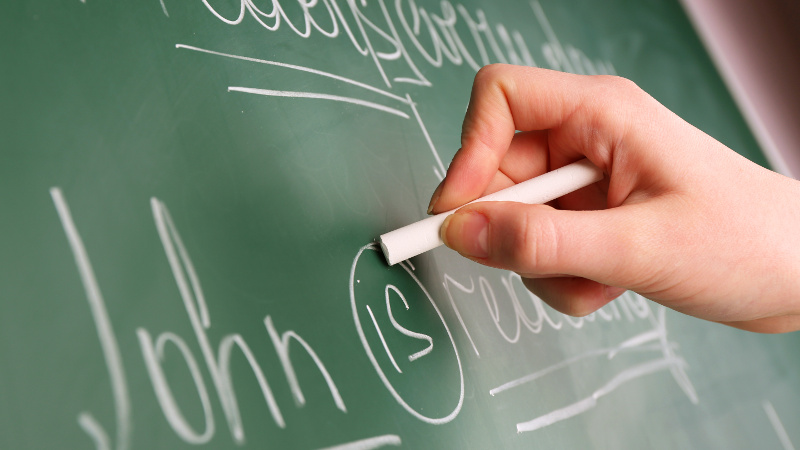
[(494, 80), (609, 119), (619, 84), (609, 90), (488, 74), (536, 242)]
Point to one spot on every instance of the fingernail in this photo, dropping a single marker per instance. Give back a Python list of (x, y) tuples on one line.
[(612, 292), (435, 197), (467, 233)]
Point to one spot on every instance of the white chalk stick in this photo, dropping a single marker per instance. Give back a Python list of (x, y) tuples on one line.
[(419, 237)]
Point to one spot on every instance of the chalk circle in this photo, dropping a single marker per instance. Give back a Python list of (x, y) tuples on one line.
[(381, 374)]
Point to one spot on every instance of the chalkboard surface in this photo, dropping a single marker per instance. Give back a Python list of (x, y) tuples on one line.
[(189, 194)]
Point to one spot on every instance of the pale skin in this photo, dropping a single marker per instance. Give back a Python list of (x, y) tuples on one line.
[(679, 218)]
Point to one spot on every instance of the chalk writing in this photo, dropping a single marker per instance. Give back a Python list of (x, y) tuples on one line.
[(666, 361), (777, 425), (337, 98), (216, 363), (409, 36), (383, 340), (369, 444), (298, 68), (153, 356), (105, 333), (589, 402), (354, 303), (441, 29), (404, 330), (522, 319)]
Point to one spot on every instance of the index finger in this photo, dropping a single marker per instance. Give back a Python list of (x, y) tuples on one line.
[(504, 99)]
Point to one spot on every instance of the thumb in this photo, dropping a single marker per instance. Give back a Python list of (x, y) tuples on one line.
[(611, 246)]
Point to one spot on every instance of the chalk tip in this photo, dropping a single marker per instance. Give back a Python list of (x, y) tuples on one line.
[(386, 253)]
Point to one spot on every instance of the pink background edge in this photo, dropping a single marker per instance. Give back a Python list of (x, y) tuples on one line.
[(756, 47)]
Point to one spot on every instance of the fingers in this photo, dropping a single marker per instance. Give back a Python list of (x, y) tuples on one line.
[(526, 157), (609, 246), (504, 99), (573, 296), (569, 259)]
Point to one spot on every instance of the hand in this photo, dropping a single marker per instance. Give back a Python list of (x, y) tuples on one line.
[(679, 218)]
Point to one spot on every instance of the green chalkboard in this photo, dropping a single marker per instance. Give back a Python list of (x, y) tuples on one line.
[(189, 193)]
